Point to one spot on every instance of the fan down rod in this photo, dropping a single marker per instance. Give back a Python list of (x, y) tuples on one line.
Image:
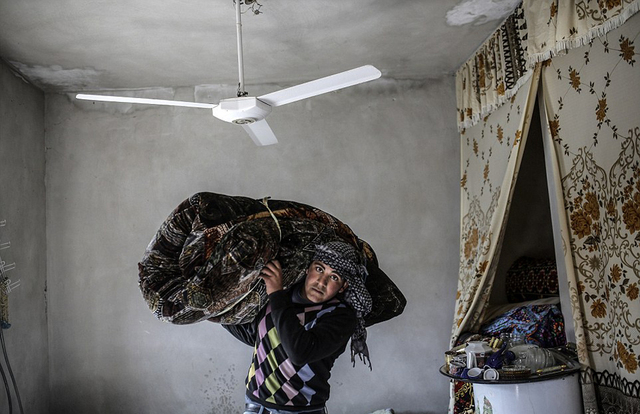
[(241, 91)]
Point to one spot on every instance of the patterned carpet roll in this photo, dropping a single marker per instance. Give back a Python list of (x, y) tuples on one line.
[(204, 261)]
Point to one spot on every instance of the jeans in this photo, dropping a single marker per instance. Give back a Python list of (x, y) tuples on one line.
[(265, 410)]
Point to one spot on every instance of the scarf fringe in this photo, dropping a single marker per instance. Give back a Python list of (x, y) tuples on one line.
[(363, 355)]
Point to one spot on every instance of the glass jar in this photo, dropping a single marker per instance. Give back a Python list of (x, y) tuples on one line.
[(513, 339), (533, 357)]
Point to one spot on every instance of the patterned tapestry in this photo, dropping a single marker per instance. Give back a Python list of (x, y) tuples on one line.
[(555, 26), (494, 73), (534, 32), (585, 52), (491, 152), (592, 100)]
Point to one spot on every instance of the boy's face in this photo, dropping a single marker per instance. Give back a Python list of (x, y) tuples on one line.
[(322, 283)]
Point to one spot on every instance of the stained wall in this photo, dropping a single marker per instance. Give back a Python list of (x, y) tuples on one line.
[(22, 208), (383, 157)]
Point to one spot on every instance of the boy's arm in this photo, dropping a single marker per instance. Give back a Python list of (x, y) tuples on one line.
[(245, 332)]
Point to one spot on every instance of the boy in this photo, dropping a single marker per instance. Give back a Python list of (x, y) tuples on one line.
[(303, 329)]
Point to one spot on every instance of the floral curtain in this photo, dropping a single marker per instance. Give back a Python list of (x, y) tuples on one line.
[(585, 52), (491, 152), (592, 101), (555, 26), (534, 32)]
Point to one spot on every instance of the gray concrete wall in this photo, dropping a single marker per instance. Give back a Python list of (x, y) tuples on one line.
[(383, 157), (22, 206)]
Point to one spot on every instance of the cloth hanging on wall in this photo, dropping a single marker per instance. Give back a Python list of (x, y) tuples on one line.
[(494, 73), (555, 26), (204, 261), (535, 31), (592, 100), (491, 152), (598, 181)]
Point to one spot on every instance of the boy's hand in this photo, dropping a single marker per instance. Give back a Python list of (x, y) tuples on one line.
[(272, 276)]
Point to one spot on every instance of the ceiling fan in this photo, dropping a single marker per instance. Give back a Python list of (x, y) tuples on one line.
[(250, 112)]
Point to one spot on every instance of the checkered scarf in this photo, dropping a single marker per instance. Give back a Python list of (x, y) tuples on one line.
[(344, 259)]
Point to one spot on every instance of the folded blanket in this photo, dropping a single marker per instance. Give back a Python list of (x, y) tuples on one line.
[(204, 261)]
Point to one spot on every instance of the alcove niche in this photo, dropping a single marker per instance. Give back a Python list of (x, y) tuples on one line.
[(531, 230)]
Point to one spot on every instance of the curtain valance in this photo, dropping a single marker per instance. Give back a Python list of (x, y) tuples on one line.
[(555, 26), (494, 73), (534, 32)]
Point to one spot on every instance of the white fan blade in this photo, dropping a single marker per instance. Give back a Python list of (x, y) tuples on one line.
[(323, 85), (127, 99), (261, 133)]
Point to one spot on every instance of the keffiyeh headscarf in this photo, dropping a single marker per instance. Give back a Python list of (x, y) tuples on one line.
[(344, 259)]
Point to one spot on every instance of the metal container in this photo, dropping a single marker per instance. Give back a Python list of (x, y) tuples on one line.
[(555, 395)]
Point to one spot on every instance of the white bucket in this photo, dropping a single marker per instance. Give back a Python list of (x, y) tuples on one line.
[(560, 395)]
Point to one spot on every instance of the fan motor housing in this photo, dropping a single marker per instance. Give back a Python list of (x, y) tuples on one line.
[(242, 110)]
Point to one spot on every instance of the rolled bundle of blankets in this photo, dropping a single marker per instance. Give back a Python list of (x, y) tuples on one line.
[(204, 261)]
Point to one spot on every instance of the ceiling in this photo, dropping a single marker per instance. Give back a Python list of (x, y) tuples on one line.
[(95, 45)]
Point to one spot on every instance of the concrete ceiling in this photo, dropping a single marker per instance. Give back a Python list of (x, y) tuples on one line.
[(94, 45)]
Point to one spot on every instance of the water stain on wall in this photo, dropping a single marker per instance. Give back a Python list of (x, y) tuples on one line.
[(56, 78)]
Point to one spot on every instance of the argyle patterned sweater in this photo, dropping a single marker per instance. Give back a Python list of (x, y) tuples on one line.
[(295, 345)]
